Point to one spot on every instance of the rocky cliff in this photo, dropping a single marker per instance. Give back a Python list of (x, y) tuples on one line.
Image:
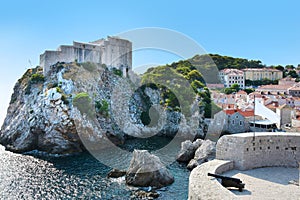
[(86, 102)]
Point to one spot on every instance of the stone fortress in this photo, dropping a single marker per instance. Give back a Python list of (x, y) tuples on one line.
[(246, 151), (113, 52)]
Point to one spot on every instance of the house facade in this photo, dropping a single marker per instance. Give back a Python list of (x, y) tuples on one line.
[(232, 76), (254, 74)]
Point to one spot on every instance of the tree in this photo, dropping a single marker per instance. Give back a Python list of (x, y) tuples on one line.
[(249, 90), (235, 87), (279, 67), (289, 67), (293, 74)]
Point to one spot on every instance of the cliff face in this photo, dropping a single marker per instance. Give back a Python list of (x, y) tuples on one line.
[(86, 102)]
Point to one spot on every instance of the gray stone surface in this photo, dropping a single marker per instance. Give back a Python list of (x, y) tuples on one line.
[(264, 150), (113, 52), (204, 153), (187, 150), (147, 170), (267, 183), (205, 187)]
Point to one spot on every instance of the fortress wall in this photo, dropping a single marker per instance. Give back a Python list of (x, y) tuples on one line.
[(114, 52), (47, 59), (66, 54), (266, 150), (202, 186), (117, 53)]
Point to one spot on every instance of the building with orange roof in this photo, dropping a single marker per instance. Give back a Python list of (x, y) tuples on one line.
[(232, 76), (231, 121), (294, 90)]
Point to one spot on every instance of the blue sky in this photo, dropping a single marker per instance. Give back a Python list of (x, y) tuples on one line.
[(265, 30)]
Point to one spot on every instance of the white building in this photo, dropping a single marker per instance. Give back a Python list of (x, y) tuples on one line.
[(232, 76)]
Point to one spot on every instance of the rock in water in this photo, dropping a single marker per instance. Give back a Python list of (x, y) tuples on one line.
[(187, 150), (147, 170), (115, 173), (203, 154), (140, 194)]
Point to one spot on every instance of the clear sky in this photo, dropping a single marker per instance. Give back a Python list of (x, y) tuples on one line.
[(264, 30)]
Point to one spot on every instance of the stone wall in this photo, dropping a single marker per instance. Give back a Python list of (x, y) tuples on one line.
[(113, 52), (266, 149), (205, 187)]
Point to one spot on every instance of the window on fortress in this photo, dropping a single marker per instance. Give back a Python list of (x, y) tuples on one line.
[(241, 123), (232, 121)]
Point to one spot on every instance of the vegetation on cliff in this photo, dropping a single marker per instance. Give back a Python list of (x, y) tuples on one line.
[(179, 83)]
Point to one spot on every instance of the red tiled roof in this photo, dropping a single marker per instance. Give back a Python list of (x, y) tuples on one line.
[(245, 113), (241, 92), (277, 87), (215, 85)]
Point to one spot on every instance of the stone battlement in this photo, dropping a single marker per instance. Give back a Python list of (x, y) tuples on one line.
[(266, 149), (113, 52)]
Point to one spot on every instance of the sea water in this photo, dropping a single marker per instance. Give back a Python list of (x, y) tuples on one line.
[(37, 175)]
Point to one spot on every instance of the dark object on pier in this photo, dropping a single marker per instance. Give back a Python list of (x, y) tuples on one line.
[(229, 181)]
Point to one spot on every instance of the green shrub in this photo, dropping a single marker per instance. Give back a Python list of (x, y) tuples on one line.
[(58, 89), (102, 107), (37, 78), (117, 72), (84, 103), (65, 99)]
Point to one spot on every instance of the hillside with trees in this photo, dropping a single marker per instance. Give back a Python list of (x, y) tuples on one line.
[(177, 82)]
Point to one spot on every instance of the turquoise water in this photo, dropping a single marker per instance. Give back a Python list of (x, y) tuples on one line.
[(81, 176)]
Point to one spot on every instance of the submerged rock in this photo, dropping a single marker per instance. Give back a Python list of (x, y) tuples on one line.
[(115, 173), (147, 170), (141, 194)]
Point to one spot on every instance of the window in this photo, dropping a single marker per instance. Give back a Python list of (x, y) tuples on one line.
[(233, 121), (241, 123)]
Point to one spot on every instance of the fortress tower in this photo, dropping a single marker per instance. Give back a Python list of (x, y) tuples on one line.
[(113, 52)]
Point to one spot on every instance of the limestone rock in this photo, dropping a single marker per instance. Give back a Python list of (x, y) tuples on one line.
[(188, 149), (41, 115), (147, 170), (207, 148), (204, 153), (53, 95), (192, 164)]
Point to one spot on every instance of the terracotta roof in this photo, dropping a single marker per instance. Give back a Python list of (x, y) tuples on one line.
[(232, 71), (261, 69), (288, 78), (257, 94), (215, 85), (274, 87), (241, 92), (245, 113), (295, 87)]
